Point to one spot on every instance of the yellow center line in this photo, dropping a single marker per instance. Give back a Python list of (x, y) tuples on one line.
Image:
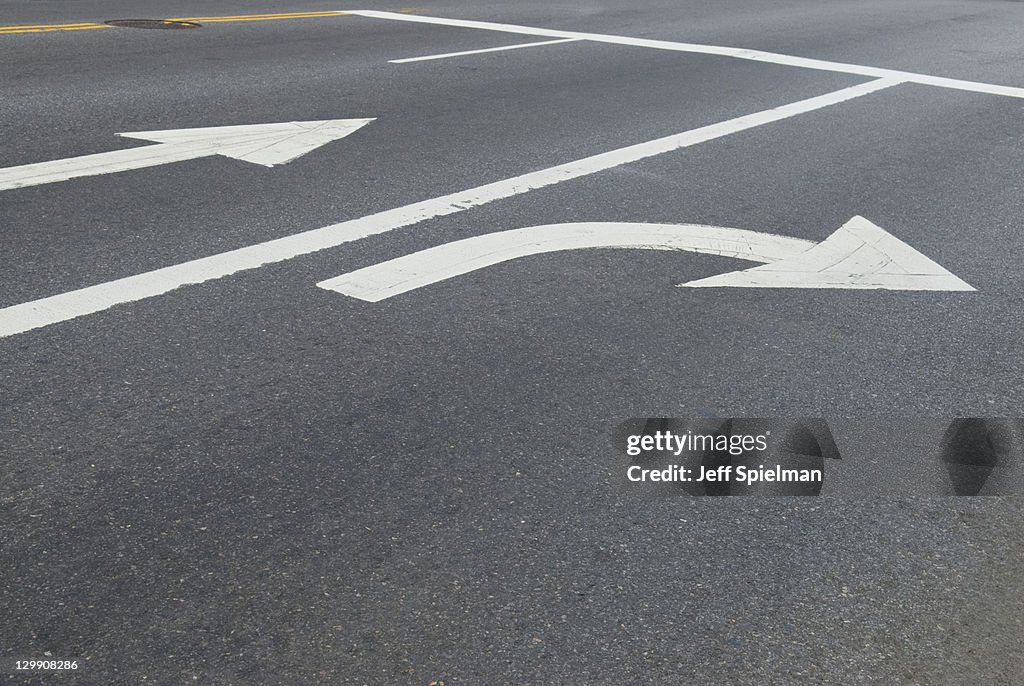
[(50, 26), (85, 26), (261, 17), (40, 28)]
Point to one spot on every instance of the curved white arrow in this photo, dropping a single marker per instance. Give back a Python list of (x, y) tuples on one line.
[(858, 255), (265, 144)]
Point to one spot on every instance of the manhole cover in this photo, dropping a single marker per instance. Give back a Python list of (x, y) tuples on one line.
[(153, 24)]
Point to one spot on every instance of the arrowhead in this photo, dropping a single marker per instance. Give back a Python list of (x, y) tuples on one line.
[(858, 255), (266, 144)]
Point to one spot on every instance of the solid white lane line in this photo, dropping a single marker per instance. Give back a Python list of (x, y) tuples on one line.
[(739, 53), (483, 50), (58, 308), (407, 273)]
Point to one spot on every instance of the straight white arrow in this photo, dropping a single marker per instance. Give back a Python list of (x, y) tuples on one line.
[(265, 144), (858, 255)]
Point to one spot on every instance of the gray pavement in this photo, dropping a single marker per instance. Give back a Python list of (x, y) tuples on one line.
[(257, 481)]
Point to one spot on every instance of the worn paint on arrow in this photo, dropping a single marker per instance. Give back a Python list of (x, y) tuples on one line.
[(264, 144), (426, 267), (858, 255)]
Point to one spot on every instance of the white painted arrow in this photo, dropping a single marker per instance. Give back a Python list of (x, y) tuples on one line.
[(265, 144), (858, 255)]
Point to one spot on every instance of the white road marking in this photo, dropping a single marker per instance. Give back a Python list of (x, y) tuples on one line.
[(858, 255), (391, 278), (265, 144), (65, 306), (477, 52), (739, 53)]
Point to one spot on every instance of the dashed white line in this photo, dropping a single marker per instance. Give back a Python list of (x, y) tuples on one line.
[(739, 53), (483, 50)]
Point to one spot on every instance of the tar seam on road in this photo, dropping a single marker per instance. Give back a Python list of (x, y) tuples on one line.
[(72, 304)]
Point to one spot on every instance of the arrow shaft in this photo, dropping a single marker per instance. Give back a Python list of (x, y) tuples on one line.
[(394, 277), (264, 144), (99, 163)]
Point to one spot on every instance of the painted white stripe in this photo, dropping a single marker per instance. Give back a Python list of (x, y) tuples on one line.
[(407, 273), (58, 308), (477, 52), (739, 53)]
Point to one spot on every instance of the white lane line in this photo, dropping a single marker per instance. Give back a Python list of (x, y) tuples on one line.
[(65, 306), (394, 277), (739, 53), (477, 52)]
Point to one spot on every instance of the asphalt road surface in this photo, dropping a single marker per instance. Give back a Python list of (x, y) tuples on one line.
[(241, 477)]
